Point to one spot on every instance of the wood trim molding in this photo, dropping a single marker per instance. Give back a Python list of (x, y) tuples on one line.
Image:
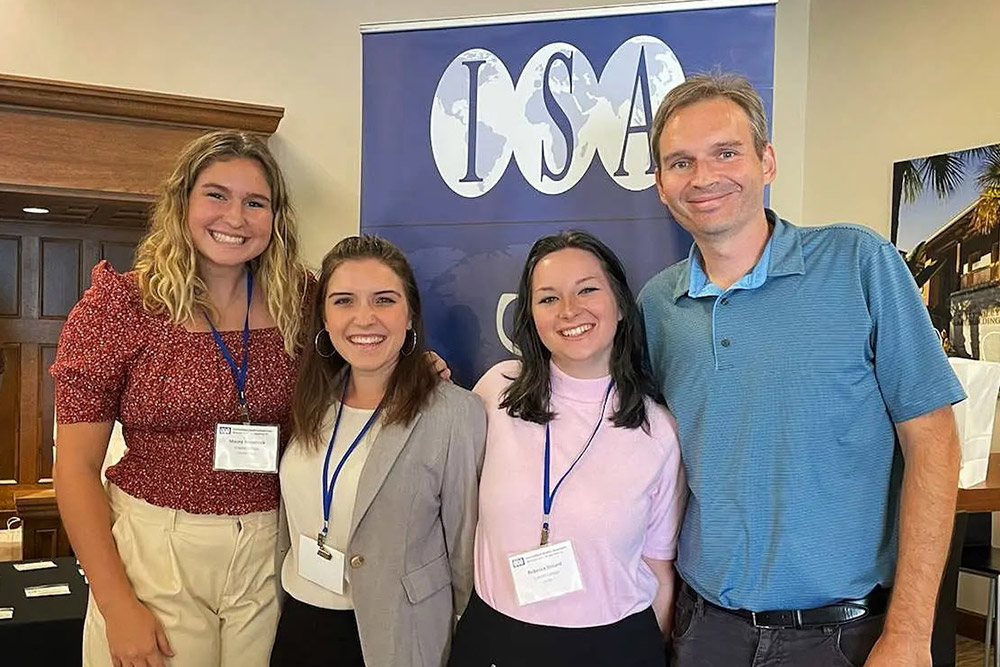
[(25, 93), (970, 624)]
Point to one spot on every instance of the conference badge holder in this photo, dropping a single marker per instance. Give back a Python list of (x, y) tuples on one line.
[(549, 572)]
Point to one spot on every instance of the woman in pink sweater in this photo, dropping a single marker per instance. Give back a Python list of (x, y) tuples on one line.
[(582, 491)]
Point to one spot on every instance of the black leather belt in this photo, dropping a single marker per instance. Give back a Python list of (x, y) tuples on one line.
[(873, 604)]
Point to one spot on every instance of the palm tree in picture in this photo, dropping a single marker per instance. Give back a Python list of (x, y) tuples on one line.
[(987, 213), (945, 173)]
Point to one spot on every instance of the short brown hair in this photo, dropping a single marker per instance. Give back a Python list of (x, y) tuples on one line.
[(700, 87)]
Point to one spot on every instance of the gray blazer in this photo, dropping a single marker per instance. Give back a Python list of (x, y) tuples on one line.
[(409, 553)]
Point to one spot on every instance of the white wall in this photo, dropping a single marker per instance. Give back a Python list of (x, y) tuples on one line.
[(889, 80), (304, 55)]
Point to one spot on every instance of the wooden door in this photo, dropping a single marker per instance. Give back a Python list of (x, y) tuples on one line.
[(45, 263)]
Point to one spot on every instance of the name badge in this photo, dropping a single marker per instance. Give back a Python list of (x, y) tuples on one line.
[(545, 573), (246, 447), (324, 566)]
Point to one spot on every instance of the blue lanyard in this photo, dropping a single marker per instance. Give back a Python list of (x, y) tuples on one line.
[(328, 486), (548, 497), (239, 372)]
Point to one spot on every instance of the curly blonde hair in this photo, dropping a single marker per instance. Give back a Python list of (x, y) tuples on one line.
[(166, 259)]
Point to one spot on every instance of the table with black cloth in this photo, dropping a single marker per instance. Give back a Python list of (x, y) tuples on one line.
[(45, 630)]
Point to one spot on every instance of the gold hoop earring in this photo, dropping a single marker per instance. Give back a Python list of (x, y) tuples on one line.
[(333, 349)]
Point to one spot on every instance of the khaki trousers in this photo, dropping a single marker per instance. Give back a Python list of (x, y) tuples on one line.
[(209, 579)]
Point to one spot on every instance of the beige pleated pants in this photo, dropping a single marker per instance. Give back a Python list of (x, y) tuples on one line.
[(209, 579)]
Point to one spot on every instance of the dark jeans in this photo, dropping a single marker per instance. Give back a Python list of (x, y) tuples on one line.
[(704, 636)]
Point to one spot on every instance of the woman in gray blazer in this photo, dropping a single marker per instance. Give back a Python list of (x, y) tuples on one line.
[(380, 479)]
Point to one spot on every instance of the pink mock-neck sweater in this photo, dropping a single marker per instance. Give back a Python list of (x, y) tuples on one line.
[(622, 501)]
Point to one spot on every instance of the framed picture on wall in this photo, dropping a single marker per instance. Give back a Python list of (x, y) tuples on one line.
[(946, 221)]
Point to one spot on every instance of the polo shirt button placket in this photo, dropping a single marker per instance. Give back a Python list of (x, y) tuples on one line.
[(725, 342)]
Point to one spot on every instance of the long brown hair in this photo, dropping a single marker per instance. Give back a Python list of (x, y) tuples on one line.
[(412, 380)]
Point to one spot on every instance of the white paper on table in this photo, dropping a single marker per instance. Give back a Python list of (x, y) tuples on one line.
[(46, 590), (34, 565)]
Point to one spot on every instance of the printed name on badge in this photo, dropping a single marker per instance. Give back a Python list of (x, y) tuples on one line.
[(545, 573), (246, 447)]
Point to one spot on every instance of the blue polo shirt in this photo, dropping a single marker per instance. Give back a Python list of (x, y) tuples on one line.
[(786, 388)]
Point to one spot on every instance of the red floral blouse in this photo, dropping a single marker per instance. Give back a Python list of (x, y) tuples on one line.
[(168, 387)]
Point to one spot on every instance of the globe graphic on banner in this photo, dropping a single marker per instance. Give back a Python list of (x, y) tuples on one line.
[(450, 114), (553, 120), (575, 92), (621, 97), (445, 275)]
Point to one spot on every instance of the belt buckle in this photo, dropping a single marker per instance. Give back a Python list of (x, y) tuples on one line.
[(796, 621)]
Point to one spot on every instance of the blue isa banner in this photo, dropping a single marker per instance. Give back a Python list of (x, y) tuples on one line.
[(481, 135)]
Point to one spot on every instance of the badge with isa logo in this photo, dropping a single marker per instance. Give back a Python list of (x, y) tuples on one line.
[(480, 135)]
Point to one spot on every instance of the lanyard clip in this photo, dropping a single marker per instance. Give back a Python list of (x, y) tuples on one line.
[(545, 532), (244, 410), (321, 542)]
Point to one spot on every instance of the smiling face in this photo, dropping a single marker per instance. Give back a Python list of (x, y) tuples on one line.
[(367, 316), (710, 176), (574, 311), (229, 213)]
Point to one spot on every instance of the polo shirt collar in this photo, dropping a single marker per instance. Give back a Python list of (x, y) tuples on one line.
[(782, 256)]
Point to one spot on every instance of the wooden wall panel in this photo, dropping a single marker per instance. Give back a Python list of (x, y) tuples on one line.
[(44, 536), (83, 153), (46, 393), (42, 543), (119, 254), (30, 269), (60, 277), (10, 276), (30, 423), (10, 393)]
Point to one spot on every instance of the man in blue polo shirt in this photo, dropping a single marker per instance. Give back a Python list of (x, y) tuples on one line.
[(813, 402)]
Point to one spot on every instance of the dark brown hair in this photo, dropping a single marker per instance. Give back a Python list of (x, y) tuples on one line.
[(413, 379), (527, 397)]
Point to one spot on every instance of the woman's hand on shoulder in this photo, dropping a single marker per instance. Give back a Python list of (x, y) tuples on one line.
[(439, 365)]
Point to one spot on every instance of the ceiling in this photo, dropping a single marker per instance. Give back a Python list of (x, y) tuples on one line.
[(75, 209)]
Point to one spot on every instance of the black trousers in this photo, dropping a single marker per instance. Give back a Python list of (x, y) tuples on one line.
[(708, 637), (486, 638), (309, 636)]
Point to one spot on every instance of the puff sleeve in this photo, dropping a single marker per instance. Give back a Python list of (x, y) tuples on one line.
[(97, 345)]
